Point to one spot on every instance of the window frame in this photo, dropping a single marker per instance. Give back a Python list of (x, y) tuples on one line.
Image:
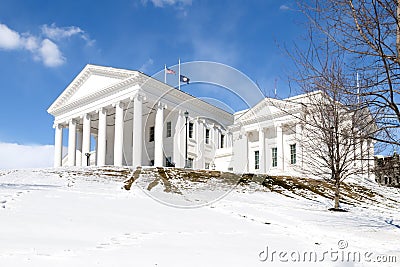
[(293, 154), (222, 139), (257, 159), (151, 134), (168, 162), (169, 129), (207, 136), (191, 130), (274, 157), (190, 163)]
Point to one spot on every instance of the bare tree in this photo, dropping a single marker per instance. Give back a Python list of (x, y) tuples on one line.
[(333, 141), (337, 128), (368, 33)]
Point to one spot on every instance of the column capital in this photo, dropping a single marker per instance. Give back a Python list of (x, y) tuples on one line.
[(57, 125), (139, 95), (73, 121), (85, 116), (119, 104), (161, 105), (102, 109)]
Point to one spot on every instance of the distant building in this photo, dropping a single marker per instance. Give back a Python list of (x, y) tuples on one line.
[(387, 170), (124, 117)]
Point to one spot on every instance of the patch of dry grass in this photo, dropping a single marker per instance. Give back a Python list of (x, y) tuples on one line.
[(176, 180)]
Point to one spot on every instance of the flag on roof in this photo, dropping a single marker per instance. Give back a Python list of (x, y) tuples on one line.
[(184, 79), (169, 71)]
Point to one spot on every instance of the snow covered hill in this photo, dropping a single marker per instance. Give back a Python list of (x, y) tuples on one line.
[(168, 217)]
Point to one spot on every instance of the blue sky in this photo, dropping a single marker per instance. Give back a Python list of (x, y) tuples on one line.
[(44, 45)]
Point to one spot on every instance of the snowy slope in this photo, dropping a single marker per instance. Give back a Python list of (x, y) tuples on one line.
[(83, 217)]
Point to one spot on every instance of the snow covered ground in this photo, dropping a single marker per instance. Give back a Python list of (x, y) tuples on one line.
[(70, 218)]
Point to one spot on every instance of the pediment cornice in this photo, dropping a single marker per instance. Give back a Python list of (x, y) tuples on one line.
[(265, 104), (267, 117), (129, 82), (82, 78)]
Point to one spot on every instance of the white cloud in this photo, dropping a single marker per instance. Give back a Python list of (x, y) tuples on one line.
[(50, 54), (15, 156), (9, 39), (164, 3), (31, 43), (58, 33), (146, 65), (42, 49), (284, 7)]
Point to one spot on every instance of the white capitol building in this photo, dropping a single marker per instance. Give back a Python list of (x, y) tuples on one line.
[(125, 118)]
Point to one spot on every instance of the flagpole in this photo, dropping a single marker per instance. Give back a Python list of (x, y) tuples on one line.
[(179, 74), (165, 73)]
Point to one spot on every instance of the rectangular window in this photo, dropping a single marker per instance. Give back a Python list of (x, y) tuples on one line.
[(207, 136), (190, 129), (169, 129), (168, 162), (151, 134), (190, 163), (222, 140), (274, 157), (293, 154), (257, 159), (207, 166)]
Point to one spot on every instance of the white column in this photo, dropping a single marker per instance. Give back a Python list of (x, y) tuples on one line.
[(217, 138), (261, 149), (101, 138), (58, 146), (119, 133), (78, 160), (71, 142), (159, 136), (246, 141), (86, 138), (179, 141), (212, 136), (228, 139), (200, 144), (280, 148), (137, 131)]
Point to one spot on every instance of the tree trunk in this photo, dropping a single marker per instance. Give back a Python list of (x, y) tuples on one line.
[(337, 194)]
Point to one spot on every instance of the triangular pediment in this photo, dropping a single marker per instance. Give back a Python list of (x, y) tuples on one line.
[(264, 108), (91, 80)]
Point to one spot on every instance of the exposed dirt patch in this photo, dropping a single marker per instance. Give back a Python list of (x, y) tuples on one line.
[(132, 179)]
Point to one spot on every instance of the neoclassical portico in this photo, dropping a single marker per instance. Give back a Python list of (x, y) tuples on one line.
[(120, 117)]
